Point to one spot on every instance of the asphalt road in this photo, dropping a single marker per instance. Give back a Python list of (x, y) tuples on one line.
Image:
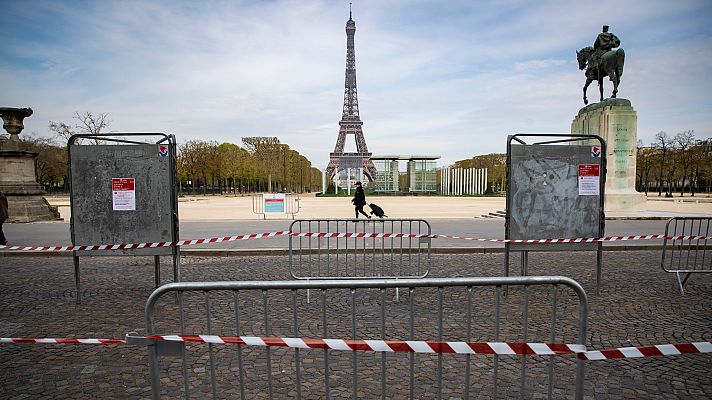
[(57, 233)]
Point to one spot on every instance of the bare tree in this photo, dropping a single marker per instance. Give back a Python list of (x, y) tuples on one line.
[(87, 123), (684, 141), (644, 165), (61, 130), (663, 144)]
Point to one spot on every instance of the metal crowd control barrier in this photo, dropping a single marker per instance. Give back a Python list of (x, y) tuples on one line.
[(314, 257), (291, 204), (687, 257), (537, 309)]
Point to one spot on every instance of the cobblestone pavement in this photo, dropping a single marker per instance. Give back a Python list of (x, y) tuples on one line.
[(638, 305)]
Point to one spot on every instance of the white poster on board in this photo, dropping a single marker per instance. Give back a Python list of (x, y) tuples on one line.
[(123, 194), (589, 179)]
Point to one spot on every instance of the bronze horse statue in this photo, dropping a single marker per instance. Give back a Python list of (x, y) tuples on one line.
[(611, 65)]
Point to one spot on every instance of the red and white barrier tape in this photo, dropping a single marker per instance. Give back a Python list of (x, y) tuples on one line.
[(147, 245), (410, 346), (128, 246), (62, 341), (361, 235), (647, 351), (576, 240), (388, 346)]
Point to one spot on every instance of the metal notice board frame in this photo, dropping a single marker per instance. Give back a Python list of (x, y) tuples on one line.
[(123, 189), (550, 194)]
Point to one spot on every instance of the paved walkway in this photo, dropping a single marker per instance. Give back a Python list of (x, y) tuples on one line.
[(639, 305), (201, 208)]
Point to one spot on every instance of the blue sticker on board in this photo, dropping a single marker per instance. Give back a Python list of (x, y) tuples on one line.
[(595, 152), (163, 151)]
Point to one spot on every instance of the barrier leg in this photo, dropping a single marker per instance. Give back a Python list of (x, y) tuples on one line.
[(157, 272), (599, 262), (77, 283), (682, 282), (153, 364)]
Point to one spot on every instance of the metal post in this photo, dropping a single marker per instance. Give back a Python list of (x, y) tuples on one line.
[(458, 181), (473, 181), (485, 182), (468, 176), (478, 181), (323, 181), (157, 262), (76, 277), (446, 171)]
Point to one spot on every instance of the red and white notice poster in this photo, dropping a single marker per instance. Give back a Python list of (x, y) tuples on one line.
[(589, 179), (123, 194)]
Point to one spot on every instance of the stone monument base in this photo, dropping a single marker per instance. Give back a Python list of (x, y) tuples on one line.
[(30, 208), (616, 122), (17, 181), (625, 202)]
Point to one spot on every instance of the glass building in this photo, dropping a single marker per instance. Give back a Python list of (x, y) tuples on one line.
[(420, 173), (386, 175), (421, 176)]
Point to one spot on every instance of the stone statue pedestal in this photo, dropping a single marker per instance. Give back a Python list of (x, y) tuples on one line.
[(616, 122), (17, 173), (17, 181)]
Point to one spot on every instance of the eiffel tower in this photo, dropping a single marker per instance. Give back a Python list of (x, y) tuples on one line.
[(350, 121)]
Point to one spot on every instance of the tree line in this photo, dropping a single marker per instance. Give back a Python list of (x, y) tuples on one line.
[(496, 164), (672, 164), (261, 164)]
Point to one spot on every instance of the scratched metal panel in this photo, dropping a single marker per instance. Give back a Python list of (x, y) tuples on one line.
[(543, 197), (93, 219)]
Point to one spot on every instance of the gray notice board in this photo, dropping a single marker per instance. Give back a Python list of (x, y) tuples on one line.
[(551, 194), (97, 218)]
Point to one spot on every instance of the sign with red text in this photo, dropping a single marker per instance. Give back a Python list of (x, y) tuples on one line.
[(589, 179), (123, 194), (274, 203)]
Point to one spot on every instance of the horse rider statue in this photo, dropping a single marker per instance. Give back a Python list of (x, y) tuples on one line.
[(606, 41), (602, 61)]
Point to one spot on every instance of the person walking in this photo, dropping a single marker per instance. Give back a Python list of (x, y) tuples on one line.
[(359, 200), (3, 216)]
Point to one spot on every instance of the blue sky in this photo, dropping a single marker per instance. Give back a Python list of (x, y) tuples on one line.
[(452, 78)]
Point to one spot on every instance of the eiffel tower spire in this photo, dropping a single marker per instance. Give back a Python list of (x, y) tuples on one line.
[(350, 120)]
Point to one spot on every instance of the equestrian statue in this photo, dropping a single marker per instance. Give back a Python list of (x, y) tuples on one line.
[(602, 61)]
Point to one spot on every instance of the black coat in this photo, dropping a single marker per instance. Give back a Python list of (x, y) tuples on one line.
[(3, 207), (359, 197)]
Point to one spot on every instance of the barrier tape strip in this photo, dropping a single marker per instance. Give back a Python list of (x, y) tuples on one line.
[(388, 346), (647, 351), (128, 246), (62, 341), (410, 346)]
